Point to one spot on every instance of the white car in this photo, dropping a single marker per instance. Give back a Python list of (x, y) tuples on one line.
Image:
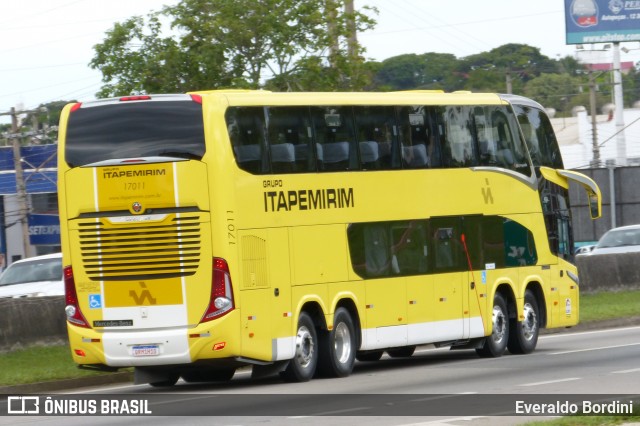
[(625, 239), (35, 276)]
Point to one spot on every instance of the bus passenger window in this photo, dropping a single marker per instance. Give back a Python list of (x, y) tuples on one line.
[(539, 136), (409, 248), (487, 149), (246, 131), (419, 148), (370, 249), (290, 140), (376, 133), (334, 138), (459, 143), (511, 151)]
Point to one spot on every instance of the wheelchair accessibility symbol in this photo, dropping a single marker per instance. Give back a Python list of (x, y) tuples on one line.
[(95, 301)]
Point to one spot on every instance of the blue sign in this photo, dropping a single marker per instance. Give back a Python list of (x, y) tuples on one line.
[(602, 21), (44, 229), (95, 301), (39, 165)]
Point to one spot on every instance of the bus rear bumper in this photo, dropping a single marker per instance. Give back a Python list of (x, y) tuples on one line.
[(146, 348)]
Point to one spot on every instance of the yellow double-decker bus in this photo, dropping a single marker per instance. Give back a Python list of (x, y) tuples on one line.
[(298, 232)]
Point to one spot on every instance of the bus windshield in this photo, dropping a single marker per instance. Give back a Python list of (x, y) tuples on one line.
[(135, 129)]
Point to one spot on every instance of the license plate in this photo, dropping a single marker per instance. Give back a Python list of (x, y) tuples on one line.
[(146, 350)]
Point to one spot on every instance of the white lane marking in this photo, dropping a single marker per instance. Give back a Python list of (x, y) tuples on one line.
[(581, 333), (633, 370), (594, 349), (548, 382)]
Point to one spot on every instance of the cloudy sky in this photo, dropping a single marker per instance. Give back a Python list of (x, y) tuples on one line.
[(47, 44)]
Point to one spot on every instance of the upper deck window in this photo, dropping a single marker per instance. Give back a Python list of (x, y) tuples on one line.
[(541, 139), (299, 139), (134, 130)]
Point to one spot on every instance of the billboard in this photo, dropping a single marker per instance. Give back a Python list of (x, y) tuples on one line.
[(602, 21), (44, 229)]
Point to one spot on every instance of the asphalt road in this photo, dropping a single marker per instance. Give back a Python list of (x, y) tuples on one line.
[(435, 386)]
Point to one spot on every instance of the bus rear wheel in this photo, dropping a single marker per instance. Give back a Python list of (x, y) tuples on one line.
[(170, 380), (495, 344), (305, 359), (524, 337), (208, 375), (403, 352), (338, 346), (369, 356)]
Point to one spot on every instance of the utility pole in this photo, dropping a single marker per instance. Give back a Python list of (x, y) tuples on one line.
[(21, 190), (595, 161), (621, 145), (352, 37)]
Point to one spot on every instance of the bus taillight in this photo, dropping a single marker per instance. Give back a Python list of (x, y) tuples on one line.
[(72, 309), (135, 98), (221, 301)]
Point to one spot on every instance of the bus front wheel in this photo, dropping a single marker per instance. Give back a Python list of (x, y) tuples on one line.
[(338, 346), (495, 344), (305, 359), (524, 336)]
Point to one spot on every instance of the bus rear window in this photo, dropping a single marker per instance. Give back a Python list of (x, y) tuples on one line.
[(134, 130)]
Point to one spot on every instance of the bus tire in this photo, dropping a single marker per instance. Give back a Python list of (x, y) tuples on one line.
[(208, 375), (403, 352), (169, 381), (303, 365), (495, 344), (524, 334), (338, 346), (369, 356)]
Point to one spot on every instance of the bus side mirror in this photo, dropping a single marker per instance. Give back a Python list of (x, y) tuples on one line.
[(594, 205)]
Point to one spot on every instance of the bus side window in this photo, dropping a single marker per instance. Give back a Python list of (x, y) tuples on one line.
[(446, 245), (459, 145), (246, 131), (370, 249), (539, 136), (376, 133), (290, 140), (334, 138), (487, 148), (417, 138), (511, 150), (409, 248)]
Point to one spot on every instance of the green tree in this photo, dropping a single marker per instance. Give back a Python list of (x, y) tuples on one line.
[(233, 44), (559, 91), (519, 63)]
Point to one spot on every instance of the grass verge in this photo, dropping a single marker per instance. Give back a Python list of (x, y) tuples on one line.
[(39, 364), (587, 421)]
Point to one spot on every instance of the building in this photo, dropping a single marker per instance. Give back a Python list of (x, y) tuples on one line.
[(40, 215)]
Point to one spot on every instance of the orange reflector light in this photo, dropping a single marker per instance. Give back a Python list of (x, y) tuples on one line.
[(80, 352)]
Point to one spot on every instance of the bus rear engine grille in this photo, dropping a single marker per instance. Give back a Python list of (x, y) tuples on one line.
[(141, 251)]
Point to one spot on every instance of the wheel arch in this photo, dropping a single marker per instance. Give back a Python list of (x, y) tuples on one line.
[(506, 291), (538, 293), (350, 305), (316, 312)]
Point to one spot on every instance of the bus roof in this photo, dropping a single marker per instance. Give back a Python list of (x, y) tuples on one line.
[(413, 97)]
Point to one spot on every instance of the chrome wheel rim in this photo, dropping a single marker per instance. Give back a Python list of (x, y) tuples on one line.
[(499, 324), (342, 343), (305, 347), (530, 322)]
